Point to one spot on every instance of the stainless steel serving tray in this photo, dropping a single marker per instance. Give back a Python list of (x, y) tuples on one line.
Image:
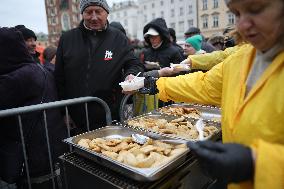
[(207, 112), (158, 115), (141, 174)]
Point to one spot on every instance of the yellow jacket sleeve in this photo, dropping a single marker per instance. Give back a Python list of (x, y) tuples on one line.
[(269, 165), (209, 60), (198, 87)]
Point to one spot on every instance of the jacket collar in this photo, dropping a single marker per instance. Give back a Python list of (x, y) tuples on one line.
[(87, 31), (276, 64)]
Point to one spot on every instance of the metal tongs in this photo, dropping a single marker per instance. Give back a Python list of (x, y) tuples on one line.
[(199, 127), (142, 139)]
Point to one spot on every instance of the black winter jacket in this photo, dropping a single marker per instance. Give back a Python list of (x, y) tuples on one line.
[(90, 63), (166, 53), (24, 82)]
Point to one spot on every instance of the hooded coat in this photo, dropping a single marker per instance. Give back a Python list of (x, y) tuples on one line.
[(93, 63), (166, 53), (255, 120), (22, 83)]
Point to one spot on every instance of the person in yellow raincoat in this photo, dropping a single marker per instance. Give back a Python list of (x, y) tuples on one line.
[(248, 85)]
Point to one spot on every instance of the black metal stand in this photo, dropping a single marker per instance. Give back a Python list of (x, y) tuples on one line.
[(82, 173)]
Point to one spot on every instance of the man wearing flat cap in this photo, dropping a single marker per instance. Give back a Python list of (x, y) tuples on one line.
[(92, 60)]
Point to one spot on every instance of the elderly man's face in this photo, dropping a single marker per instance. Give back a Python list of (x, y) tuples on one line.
[(31, 44), (95, 17)]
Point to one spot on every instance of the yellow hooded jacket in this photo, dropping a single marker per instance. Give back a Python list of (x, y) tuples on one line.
[(256, 120), (209, 60)]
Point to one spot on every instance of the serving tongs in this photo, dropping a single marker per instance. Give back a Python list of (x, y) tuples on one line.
[(142, 139)]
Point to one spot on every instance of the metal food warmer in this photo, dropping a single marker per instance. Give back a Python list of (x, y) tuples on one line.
[(85, 168)]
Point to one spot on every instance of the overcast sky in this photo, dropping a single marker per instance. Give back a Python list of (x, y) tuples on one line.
[(30, 13)]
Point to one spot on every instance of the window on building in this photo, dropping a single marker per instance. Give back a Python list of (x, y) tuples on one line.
[(52, 11), (64, 4), (205, 4), (145, 18), (50, 2), (172, 1), (181, 26), (181, 12), (231, 18), (173, 25), (215, 4), (53, 21), (172, 12), (215, 21), (153, 5), (190, 23), (162, 3), (205, 21), (65, 22), (162, 14), (153, 15), (190, 9)]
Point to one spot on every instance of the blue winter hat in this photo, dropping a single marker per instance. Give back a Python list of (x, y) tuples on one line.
[(195, 41)]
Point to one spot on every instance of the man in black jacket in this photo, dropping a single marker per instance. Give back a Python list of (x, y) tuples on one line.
[(161, 52), (91, 60)]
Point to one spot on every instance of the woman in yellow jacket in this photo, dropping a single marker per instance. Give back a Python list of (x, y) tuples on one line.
[(248, 86)]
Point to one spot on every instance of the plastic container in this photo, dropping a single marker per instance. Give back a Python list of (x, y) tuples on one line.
[(180, 67), (133, 85)]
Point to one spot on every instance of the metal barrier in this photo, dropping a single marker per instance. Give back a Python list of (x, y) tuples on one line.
[(52, 105)]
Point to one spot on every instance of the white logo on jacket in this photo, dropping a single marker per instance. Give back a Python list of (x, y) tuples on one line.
[(108, 55)]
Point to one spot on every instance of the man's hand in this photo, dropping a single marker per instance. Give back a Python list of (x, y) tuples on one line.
[(187, 61), (167, 71), (228, 162), (129, 78)]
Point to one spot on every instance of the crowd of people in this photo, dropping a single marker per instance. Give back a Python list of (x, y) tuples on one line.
[(240, 70)]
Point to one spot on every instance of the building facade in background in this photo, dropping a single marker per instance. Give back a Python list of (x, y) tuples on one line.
[(62, 15), (211, 16), (125, 12), (179, 14)]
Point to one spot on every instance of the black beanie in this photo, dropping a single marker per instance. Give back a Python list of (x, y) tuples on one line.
[(27, 33)]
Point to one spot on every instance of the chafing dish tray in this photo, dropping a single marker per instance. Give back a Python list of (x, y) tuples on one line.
[(118, 132), (174, 126), (194, 111)]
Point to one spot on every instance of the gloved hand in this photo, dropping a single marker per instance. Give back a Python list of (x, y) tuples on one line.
[(229, 162)]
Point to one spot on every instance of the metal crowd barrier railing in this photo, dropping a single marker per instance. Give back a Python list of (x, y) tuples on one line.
[(52, 105)]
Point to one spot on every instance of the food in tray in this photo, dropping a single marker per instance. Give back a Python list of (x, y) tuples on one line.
[(181, 111), (153, 153), (177, 127)]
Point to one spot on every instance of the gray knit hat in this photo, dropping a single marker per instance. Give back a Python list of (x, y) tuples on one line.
[(101, 3)]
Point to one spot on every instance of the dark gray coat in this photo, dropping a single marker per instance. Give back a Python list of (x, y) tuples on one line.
[(23, 82)]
